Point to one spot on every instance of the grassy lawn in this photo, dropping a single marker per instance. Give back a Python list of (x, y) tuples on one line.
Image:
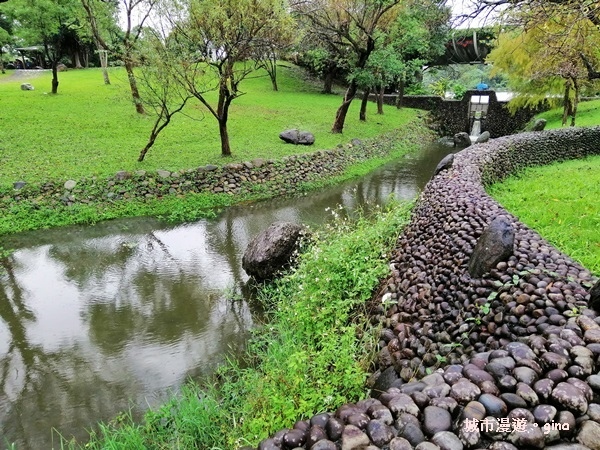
[(92, 129), (560, 201), (588, 114)]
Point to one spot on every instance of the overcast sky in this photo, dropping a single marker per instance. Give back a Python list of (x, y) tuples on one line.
[(460, 7)]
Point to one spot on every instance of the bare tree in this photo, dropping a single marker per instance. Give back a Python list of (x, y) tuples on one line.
[(160, 89), (213, 48)]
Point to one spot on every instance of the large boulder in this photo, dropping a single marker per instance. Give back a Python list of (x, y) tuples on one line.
[(483, 137), (495, 245), (539, 125), (444, 164), (297, 137), (462, 139), (594, 301), (271, 250)]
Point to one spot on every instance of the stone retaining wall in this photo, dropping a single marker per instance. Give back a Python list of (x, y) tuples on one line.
[(506, 361), (451, 116), (268, 177)]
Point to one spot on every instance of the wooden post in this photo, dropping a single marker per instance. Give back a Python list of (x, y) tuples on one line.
[(104, 64)]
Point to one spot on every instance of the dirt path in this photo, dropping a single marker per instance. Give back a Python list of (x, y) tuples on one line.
[(22, 75)]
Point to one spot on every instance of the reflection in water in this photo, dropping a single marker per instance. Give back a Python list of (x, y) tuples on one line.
[(97, 320)]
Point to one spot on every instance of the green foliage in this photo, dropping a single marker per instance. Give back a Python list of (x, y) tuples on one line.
[(459, 90), (544, 61), (383, 67), (440, 87), (420, 31), (312, 355), (465, 75), (416, 89), (27, 215), (514, 57), (560, 202), (5, 253), (49, 24)]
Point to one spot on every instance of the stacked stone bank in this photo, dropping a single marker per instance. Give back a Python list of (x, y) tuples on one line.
[(503, 361)]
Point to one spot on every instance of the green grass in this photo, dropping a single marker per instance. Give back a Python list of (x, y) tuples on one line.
[(588, 114), (313, 354), (560, 201), (92, 129)]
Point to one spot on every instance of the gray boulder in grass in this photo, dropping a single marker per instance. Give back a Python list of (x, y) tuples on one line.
[(297, 137)]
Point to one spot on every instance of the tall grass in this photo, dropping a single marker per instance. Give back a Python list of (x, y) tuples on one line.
[(312, 355), (91, 129), (560, 201)]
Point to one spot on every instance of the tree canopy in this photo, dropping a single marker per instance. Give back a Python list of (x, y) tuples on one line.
[(46, 22), (549, 55), (354, 30)]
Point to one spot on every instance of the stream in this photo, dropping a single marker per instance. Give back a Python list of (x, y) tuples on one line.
[(96, 320)]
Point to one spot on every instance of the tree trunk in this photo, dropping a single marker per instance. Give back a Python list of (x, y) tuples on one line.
[(575, 102), (158, 127), (135, 93), (363, 105), (23, 61), (380, 99), (274, 82), (54, 76), (566, 102), (225, 148), (273, 73), (400, 99), (77, 60), (340, 116), (328, 83), (98, 41), (105, 75), (103, 54), (2, 70), (165, 117), (146, 148)]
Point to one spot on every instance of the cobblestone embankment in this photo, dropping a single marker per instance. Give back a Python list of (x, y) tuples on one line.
[(506, 361)]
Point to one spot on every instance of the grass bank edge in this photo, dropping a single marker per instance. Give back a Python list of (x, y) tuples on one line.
[(191, 206), (314, 353), (559, 201)]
